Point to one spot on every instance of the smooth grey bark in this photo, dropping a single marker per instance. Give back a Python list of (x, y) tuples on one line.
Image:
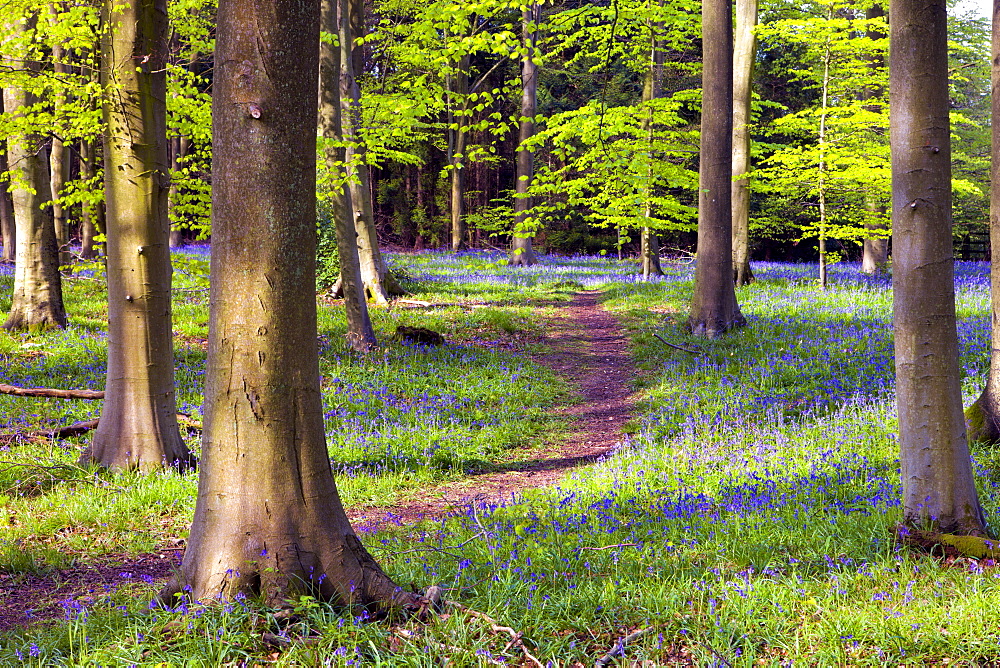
[(521, 252), (360, 334), (268, 519), (7, 235), (88, 213), (983, 416), (744, 54), (458, 89), (138, 426), (649, 245), (874, 248), (714, 309), (37, 301), (939, 490), (379, 283)]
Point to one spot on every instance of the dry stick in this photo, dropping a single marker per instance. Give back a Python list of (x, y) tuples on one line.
[(496, 628), (48, 392), (608, 547), (687, 350), (619, 647), (78, 428)]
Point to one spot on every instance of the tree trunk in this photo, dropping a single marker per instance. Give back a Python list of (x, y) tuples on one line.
[(138, 426), (268, 518), (178, 149), (360, 335), (59, 162), (378, 282), (875, 248), (649, 245), (713, 307), (521, 252), (983, 416), (821, 175), (939, 490), (88, 211), (459, 93), (37, 302), (6, 205), (744, 54)]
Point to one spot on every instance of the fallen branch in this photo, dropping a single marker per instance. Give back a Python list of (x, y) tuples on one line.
[(608, 547), (516, 637), (78, 428), (619, 647), (672, 345), (48, 392)]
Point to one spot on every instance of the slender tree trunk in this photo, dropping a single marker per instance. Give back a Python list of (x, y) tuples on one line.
[(6, 205), (89, 211), (178, 149), (37, 302), (360, 335), (459, 121), (875, 248), (983, 416), (268, 518), (649, 246), (521, 252), (939, 490), (713, 307), (138, 426), (744, 54), (59, 162), (821, 176)]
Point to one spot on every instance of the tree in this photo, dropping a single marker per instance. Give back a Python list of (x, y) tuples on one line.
[(521, 253), (939, 490), (360, 335), (649, 245), (713, 307), (138, 425), (268, 518), (983, 416), (6, 205), (37, 300), (744, 53), (875, 247)]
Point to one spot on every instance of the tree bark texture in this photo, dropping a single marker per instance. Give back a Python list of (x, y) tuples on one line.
[(268, 518), (459, 137), (744, 54), (7, 235), (138, 427), (37, 302), (713, 308), (521, 252), (360, 334), (378, 282), (983, 417), (939, 491)]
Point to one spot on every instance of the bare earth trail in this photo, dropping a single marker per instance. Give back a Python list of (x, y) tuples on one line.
[(584, 344)]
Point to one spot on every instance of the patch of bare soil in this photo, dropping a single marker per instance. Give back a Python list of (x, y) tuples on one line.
[(584, 345), (587, 347)]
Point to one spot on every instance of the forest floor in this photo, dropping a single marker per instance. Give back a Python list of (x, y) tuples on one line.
[(582, 342)]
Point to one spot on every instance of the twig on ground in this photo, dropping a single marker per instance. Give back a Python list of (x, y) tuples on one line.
[(76, 429), (619, 647), (516, 636), (608, 547), (673, 345), (49, 392)]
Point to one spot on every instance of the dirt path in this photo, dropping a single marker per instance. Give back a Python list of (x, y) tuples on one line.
[(585, 345)]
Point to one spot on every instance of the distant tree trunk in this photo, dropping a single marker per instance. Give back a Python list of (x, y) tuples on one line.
[(649, 245), (939, 490), (138, 425), (268, 519), (983, 416), (875, 248), (37, 302), (821, 176), (59, 162), (713, 308), (360, 335), (379, 283), (744, 54), (178, 150), (6, 205), (88, 211), (521, 252), (459, 92)]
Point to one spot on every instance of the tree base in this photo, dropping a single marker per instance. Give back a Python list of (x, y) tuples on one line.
[(981, 424)]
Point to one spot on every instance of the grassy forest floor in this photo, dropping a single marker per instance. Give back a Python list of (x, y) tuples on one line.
[(744, 516)]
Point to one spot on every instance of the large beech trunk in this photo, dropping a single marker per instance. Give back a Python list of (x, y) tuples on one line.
[(379, 283), (268, 518), (744, 53), (138, 426), (939, 490), (983, 417), (37, 302), (713, 308), (360, 334), (521, 252)]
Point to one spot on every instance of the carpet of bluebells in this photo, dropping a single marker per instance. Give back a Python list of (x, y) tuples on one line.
[(745, 520)]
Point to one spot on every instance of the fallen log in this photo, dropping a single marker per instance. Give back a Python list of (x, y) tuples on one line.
[(78, 428), (49, 392)]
